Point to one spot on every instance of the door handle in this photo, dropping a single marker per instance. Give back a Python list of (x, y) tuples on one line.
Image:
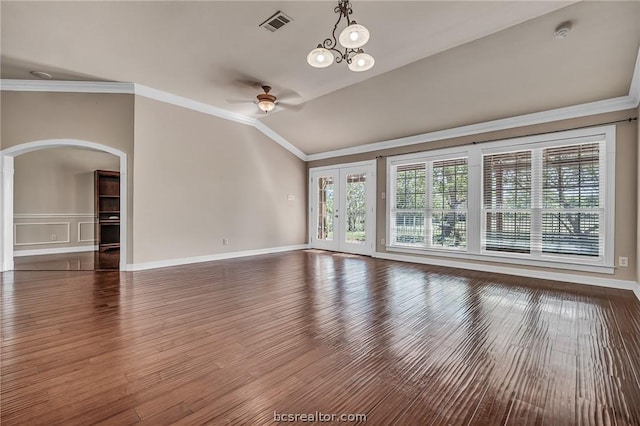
[(336, 216)]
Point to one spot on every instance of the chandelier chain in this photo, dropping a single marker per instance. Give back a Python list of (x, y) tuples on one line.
[(344, 10)]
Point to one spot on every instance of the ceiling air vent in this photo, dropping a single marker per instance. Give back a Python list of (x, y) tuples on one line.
[(276, 21)]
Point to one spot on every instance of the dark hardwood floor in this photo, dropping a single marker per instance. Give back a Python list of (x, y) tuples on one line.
[(82, 261), (232, 342)]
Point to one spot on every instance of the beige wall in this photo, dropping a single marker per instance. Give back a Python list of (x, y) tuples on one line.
[(638, 208), (58, 180), (53, 192), (100, 118), (199, 179), (627, 219)]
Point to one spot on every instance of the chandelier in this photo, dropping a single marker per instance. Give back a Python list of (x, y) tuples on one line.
[(352, 38)]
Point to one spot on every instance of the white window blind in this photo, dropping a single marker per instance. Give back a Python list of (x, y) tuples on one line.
[(541, 200), (408, 213), (449, 203), (571, 192), (544, 202), (507, 202), (430, 204)]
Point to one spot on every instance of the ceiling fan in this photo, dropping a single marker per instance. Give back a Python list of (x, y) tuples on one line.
[(267, 101)]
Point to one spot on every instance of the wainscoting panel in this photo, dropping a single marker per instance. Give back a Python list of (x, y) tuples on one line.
[(86, 232), (37, 231)]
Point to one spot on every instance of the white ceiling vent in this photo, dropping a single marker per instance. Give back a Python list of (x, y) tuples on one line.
[(276, 21)]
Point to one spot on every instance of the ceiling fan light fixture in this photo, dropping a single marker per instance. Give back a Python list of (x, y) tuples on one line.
[(354, 36), (266, 101), (320, 58), (266, 105), (361, 62)]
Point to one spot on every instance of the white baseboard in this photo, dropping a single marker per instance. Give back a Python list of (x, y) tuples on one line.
[(209, 258), (545, 275), (57, 250)]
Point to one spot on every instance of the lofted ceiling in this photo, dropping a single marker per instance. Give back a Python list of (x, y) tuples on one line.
[(438, 64)]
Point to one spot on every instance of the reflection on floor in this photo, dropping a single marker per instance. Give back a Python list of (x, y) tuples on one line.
[(85, 261), (235, 341)]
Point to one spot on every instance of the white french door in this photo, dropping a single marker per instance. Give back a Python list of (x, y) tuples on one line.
[(342, 208)]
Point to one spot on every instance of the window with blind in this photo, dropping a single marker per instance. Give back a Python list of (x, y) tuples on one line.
[(507, 202), (410, 203), (546, 206), (547, 199), (571, 196), (430, 204)]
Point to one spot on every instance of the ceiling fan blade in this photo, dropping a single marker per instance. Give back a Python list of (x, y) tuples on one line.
[(289, 106), (288, 94), (240, 101), (246, 83)]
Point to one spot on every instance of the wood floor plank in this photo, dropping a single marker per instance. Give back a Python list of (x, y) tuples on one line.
[(232, 342)]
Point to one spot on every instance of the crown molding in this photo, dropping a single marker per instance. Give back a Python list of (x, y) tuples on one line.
[(187, 103), (150, 93), (632, 100), (170, 98), (183, 102), (280, 140), (66, 86), (582, 110), (634, 89)]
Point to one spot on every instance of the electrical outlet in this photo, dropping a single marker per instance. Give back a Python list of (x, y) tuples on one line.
[(225, 241), (383, 195), (623, 261), (291, 197), (54, 237), (382, 241)]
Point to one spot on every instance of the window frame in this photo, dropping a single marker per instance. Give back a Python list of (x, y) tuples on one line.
[(441, 155), (475, 206)]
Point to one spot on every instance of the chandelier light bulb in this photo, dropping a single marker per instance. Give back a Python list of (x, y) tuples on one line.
[(320, 58), (354, 36), (362, 62)]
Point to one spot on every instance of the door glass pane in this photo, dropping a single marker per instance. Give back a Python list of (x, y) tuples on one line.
[(356, 209), (325, 208)]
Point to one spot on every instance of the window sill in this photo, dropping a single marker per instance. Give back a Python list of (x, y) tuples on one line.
[(546, 263)]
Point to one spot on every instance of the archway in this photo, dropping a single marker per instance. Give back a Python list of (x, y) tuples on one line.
[(6, 183)]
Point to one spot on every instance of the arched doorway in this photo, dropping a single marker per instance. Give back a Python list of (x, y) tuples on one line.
[(6, 200)]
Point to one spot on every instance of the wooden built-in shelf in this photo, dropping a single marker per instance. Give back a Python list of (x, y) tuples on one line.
[(107, 203)]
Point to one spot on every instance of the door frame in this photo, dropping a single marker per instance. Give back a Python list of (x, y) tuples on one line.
[(6, 200), (311, 196)]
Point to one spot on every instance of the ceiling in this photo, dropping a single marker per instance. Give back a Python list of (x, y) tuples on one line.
[(438, 64)]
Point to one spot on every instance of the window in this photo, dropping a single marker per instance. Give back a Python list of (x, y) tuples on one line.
[(430, 204), (410, 203), (571, 215), (546, 200), (449, 203), (555, 214), (507, 202)]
